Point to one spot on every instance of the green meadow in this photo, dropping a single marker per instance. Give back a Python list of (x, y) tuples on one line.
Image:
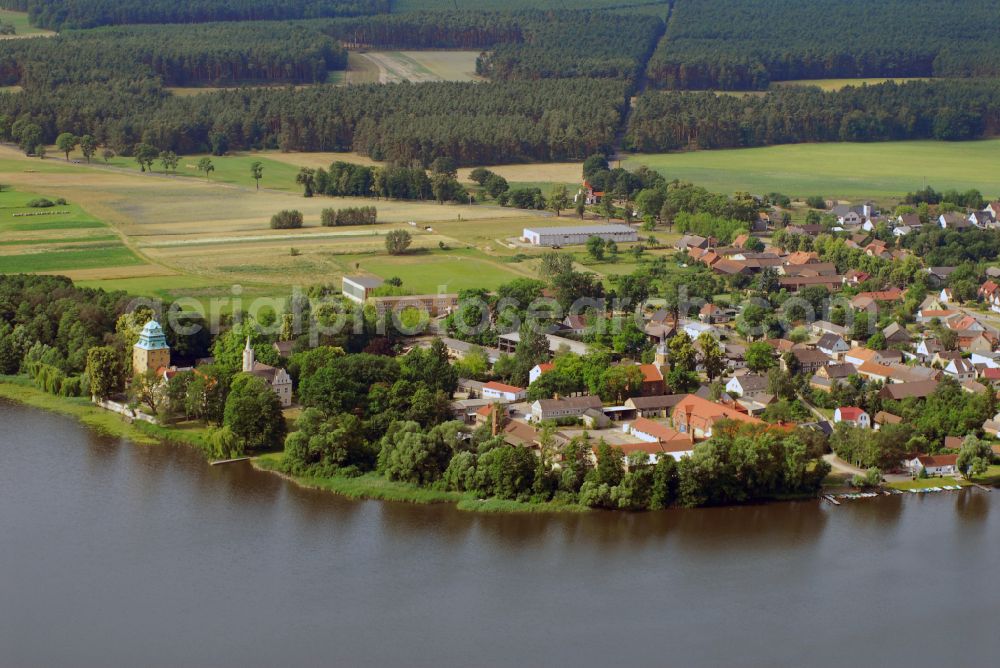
[(844, 170), (424, 273), (229, 169)]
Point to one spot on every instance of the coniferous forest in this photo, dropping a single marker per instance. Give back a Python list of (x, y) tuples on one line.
[(558, 81)]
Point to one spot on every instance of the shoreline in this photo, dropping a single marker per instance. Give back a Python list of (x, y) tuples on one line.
[(369, 486)]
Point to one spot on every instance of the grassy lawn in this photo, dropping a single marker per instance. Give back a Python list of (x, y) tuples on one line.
[(991, 477), (837, 170), (447, 271), (927, 483), (68, 258)]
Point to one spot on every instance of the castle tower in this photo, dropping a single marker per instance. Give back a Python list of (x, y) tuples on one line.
[(248, 357), (152, 351)]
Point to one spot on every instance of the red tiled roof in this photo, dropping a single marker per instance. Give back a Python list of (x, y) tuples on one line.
[(650, 373), (850, 413)]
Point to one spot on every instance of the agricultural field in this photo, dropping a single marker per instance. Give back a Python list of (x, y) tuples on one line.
[(838, 84), (420, 66), (61, 238), (178, 236), (838, 170)]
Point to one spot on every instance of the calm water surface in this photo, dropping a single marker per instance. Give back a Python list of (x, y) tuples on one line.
[(113, 554)]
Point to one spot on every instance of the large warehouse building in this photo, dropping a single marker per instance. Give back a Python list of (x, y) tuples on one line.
[(568, 236)]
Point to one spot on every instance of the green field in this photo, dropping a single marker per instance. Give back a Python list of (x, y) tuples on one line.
[(20, 22), (846, 170), (438, 271), (229, 169), (56, 239)]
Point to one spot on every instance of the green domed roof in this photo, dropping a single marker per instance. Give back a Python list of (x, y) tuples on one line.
[(152, 337)]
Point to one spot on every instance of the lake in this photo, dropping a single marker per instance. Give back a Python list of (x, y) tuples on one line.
[(115, 554)]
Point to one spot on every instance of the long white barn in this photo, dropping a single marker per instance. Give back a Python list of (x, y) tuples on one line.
[(579, 234)]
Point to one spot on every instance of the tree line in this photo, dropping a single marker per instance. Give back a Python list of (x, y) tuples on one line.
[(472, 123), (175, 55), (64, 14), (949, 110), (738, 45), (352, 215)]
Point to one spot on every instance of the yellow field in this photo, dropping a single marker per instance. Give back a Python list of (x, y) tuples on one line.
[(415, 66)]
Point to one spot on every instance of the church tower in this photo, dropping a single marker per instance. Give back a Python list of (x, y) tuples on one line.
[(152, 351), (248, 358)]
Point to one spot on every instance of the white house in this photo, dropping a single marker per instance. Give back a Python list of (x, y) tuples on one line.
[(852, 415), (748, 386), (538, 370), (935, 465), (961, 370), (695, 329), (503, 392), (832, 344)]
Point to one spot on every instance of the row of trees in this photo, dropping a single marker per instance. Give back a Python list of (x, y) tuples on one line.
[(470, 122), (63, 14), (354, 215), (735, 45), (949, 110), (175, 55)]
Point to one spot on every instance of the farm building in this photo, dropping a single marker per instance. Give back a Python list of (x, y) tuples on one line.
[(578, 234)]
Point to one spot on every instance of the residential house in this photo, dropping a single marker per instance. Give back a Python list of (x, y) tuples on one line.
[(575, 325), (925, 316), (832, 344), (939, 275), (748, 386), (713, 314), (896, 334), (961, 370), (694, 329), (852, 415), (796, 283), (933, 465), (539, 370), (589, 195), (928, 348), (989, 292), (993, 208), (920, 389), (953, 221), (883, 418), (689, 241), (503, 392), (810, 361), (821, 327), (982, 219), (855, 276), (827, 377)]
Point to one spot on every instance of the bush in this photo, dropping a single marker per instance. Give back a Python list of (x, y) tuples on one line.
[(42, 203), (816, 202), (286, 220), (355, 215)]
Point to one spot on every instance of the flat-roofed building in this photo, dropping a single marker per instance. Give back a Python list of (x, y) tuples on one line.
[(578, 234), (359, 288)]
